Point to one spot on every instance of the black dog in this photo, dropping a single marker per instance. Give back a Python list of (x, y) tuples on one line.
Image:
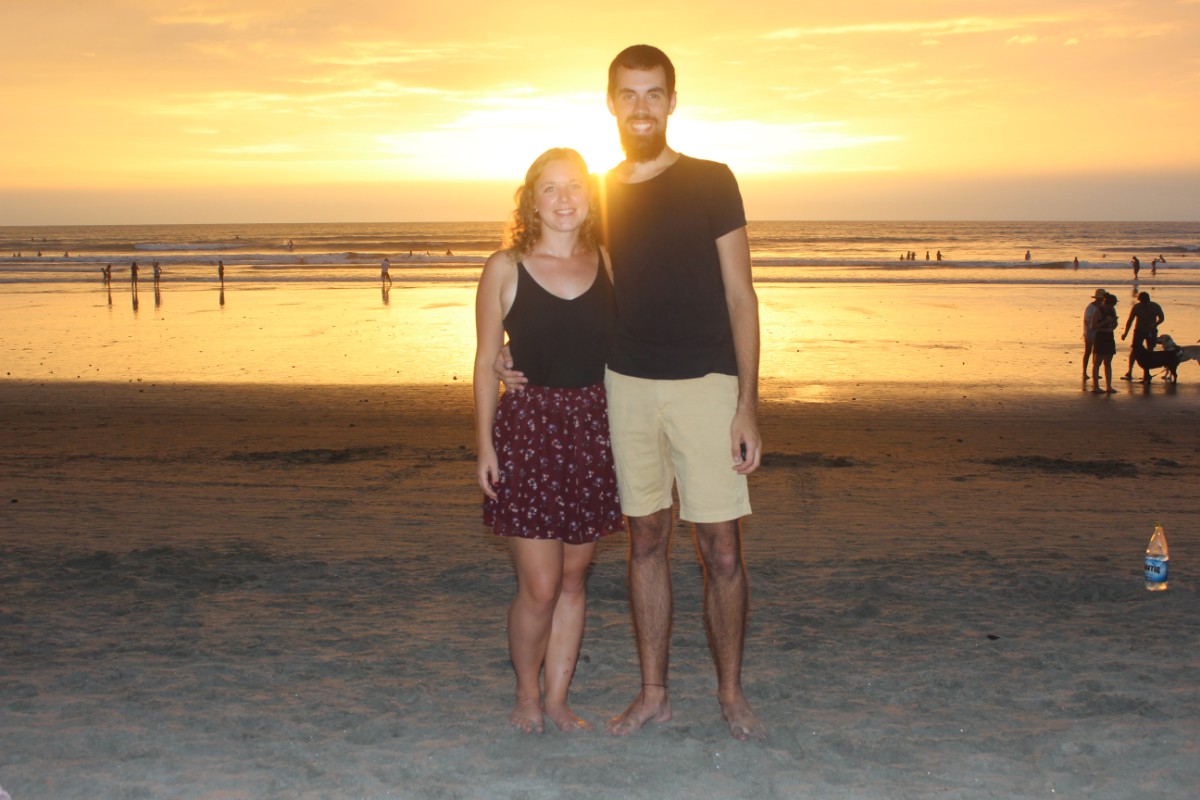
[(1156, 359)]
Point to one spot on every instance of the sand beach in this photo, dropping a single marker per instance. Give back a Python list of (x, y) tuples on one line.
[(248, 591)]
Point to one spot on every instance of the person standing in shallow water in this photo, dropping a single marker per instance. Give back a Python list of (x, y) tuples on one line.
[(544, 458), (1089, 333), (1145, 316), (1104, 324)]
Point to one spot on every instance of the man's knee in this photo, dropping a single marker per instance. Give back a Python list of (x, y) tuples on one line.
[(650, 536), (721, 548)]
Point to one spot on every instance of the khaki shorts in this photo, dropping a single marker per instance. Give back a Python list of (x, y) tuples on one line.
[(676, 432)]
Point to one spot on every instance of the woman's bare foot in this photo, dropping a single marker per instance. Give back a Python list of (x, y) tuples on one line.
[(566, 720), (743, 724), (526, 716), (643, 709)]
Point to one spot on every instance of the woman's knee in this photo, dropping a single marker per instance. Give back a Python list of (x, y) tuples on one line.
[(576, 564), (541, 592)]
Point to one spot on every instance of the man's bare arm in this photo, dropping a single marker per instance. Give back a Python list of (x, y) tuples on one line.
[(734, 251)]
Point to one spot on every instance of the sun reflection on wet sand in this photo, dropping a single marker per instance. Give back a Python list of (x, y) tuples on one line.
[(814, 336)]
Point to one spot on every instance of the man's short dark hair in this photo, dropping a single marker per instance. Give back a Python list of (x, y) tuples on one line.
[(641, 56)]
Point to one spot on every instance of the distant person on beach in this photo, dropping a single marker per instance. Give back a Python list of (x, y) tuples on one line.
[(1089, 332), (1104, 322), (221, 271), (133, 272), (157, 273), (1154, 267), (385, 273), (1137, 266), (939, 255), (682, 382), (1076, 262), (544, 454), (1145, 317), (1028, 255)]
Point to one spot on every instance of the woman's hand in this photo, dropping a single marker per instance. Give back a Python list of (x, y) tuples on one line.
[(487, 470)]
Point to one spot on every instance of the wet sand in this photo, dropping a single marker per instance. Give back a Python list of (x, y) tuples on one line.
[(818, 340), (215, 591)]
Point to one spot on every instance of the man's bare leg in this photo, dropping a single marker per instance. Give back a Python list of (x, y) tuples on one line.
[(726, 599), (539, 566), (566, 633), (650, 602)]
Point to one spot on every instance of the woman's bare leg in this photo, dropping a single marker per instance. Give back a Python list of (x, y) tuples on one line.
[(539, 564), (566, 633)]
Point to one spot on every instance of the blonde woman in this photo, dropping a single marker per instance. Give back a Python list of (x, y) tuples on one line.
[(544, 459)]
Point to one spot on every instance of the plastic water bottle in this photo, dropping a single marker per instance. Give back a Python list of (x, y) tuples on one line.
[(1156, 561)]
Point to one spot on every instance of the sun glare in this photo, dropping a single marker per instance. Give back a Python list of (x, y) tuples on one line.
[(778, 149), (499, 142)]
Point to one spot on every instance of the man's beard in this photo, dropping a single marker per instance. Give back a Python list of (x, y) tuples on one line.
[(639, 148)]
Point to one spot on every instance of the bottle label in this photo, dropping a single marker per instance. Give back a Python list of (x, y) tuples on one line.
[(1156, 570)]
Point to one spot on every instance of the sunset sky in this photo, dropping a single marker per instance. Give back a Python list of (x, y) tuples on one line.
[(137, 111)]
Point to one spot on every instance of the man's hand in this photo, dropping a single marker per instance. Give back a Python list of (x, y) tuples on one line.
[(746, 443), (513, 380)]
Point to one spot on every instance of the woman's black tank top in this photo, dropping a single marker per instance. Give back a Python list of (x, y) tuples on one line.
[(561, 343)]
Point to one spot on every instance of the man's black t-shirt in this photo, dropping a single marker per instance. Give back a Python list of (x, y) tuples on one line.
[(672, 321)]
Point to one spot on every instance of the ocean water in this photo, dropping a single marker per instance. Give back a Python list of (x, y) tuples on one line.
[(839, 308), (781, 251)]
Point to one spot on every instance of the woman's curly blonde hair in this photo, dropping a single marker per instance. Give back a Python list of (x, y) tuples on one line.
[(525, 229)]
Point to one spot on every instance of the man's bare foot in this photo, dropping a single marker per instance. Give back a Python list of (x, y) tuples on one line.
[(526, 716), (566, 720), (743, 724), (643, 709)]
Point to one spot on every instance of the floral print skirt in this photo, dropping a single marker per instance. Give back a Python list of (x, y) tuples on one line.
[(557, 479)]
